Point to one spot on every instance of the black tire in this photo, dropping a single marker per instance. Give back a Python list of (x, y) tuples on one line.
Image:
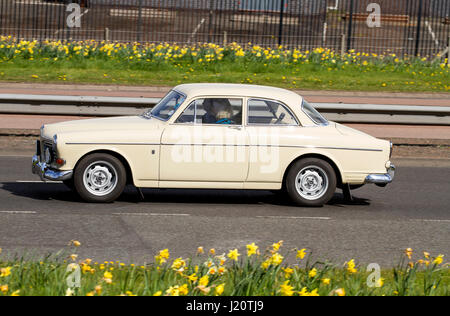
[(311, 182), (100, 178)]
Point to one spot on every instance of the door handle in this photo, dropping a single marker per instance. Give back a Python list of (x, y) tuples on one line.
[(238, 128)]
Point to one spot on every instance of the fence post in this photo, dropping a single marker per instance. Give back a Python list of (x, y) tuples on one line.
[(106, 34), (211, 16), (448, 51), (419, 24), (139, 24), (280, 33), (343, 42), (350, 26)]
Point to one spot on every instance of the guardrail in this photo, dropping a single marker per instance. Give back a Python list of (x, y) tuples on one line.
[(117, 106)]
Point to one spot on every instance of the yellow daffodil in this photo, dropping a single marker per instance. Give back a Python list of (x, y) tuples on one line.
[(252, 249), (340, 292), (219, 289), (438, 260), (178, 264), (288, 272), (286, 289), (312, 273), (301, 254), (276, 247), (233, 254), (204, 280), (4, 288), (351, 267), (4, 272), (409, 253), (326, 281), (163, 256)]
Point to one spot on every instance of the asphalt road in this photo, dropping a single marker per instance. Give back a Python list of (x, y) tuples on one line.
[(37, 218)]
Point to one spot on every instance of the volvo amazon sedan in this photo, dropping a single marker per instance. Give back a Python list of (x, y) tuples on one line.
[(214, 136)]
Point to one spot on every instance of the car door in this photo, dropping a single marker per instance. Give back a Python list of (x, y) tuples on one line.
[(270, 126), (207, 143)]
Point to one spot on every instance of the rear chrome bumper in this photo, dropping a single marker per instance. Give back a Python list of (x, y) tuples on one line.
[(382, 179), (46, 173)]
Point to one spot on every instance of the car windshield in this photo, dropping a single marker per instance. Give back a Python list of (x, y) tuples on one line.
[(314, 114), (167, 106)]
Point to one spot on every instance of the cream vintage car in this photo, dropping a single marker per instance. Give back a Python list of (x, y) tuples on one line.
[(214, 136)]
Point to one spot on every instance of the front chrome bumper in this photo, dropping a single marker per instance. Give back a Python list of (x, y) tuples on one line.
[(46, 173), (382, 179)]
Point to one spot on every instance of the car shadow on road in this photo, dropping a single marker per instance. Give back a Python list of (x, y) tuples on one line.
[(41, 191), (340, 201), (59, 192)]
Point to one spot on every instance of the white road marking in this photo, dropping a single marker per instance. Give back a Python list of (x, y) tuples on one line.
[(149, 214), (37, 181), (296, 217), (18, 212), (432, 220)]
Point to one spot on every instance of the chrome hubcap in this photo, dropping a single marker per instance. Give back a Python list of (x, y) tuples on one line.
[(311, 183), (100, 178)]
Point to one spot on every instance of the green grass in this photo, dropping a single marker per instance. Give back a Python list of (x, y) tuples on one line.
[(308, 77), (264, 274)]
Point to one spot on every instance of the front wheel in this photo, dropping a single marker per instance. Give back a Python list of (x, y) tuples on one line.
[(100, 178), (311, 182)]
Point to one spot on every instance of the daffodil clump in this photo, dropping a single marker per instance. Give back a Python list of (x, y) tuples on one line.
[(236, 272), (294, 68)]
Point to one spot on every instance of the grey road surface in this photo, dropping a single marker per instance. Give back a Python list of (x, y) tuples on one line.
[(38, 218)]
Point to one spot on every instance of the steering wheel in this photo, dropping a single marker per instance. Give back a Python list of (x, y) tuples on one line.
[(282, 116), (225, 121)]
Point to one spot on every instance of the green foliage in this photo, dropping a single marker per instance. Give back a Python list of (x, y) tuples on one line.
[(164, 64), (253, 274)]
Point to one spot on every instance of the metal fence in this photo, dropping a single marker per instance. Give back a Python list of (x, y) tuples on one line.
[(412, 27)]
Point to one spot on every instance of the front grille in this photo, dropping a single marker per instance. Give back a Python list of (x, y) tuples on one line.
[(47, 144)]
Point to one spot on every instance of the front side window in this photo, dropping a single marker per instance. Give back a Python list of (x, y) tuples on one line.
[(267, 112), (167, 106), (314, 114), (220, 111)]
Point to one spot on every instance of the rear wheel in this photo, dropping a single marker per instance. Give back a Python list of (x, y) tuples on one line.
[(311, 182), (100, 178)]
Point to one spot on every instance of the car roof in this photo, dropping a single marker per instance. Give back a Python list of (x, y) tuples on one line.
[(239, 90)]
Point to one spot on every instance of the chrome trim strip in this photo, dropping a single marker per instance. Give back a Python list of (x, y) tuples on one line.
[(280, 146), (267, 145), (124, 144)]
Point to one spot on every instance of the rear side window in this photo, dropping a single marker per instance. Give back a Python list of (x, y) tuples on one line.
[(267, 112)]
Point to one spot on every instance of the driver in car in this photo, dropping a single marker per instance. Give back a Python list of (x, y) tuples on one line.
[(218, 111)]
